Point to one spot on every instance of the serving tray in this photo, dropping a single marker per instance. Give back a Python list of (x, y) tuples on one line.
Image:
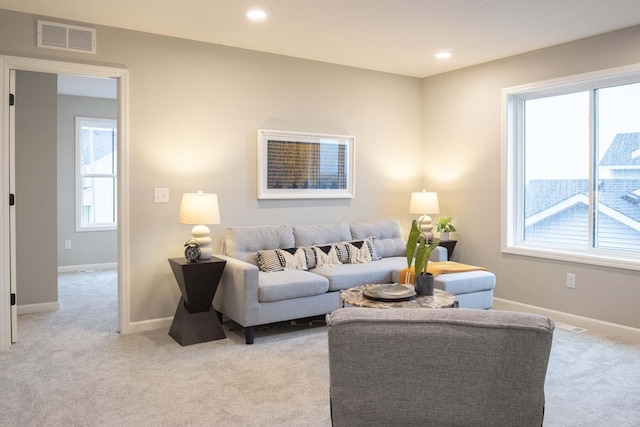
[(388, 292)]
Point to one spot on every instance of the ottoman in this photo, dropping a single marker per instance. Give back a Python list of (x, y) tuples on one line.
[(472, 289)]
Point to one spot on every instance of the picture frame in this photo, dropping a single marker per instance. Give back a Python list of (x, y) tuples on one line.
[(297, 165)]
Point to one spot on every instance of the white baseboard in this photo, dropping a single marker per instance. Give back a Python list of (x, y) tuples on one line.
[(38, 308), (85, 267), (149, 325), (594, 325)]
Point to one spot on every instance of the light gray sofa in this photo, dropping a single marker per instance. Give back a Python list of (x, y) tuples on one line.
[(252, 297), (437, 367)]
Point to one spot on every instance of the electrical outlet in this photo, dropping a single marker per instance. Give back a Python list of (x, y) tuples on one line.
[(571, 280), (160, 195), (67, 244)]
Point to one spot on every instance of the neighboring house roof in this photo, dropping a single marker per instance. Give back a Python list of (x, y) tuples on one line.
[(559, 208), (571, 228), (103, 147), (615, 193), (542, 194), (623, 151)]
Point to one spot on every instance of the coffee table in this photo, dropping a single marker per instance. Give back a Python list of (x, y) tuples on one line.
[(440, 299)]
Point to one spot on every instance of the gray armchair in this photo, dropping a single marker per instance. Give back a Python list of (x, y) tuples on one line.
[(437, 367)]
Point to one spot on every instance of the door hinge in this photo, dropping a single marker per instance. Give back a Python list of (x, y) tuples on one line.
[(12, 99), (13, 299), (12, 199)]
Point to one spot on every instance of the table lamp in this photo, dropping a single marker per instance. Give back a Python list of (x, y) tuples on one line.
[(425, 203), (200, 209)]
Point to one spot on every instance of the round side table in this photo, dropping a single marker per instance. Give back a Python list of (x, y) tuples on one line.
[(440, 299)]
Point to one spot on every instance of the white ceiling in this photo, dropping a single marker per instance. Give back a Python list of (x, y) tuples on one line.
[(396, 36)]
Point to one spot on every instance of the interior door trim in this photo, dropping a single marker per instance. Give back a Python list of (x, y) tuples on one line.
[(8, 63)]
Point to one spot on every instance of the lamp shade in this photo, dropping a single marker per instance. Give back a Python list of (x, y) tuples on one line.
[(424, 202), (199, 208)]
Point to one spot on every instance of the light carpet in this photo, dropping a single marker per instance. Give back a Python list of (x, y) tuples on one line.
[(70, 368)]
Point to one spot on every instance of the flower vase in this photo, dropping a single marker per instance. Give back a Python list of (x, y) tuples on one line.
[(444, 235), (423, 284)]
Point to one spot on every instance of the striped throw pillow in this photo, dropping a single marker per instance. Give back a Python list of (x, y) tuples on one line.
[(282, 259)]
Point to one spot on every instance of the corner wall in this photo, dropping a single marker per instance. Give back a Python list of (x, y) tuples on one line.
[(462, 139)]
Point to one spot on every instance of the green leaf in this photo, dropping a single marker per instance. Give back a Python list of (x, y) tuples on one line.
[(424, 252), (412, 242), (422, 255), (444, 224)]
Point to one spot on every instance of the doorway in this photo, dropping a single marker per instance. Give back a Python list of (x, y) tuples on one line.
[(8, 66), (65, 177)]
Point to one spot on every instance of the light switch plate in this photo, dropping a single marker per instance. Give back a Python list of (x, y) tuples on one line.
[(160, 195)]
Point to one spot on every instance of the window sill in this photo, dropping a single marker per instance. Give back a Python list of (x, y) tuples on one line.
[(94, 229), (613, 260)]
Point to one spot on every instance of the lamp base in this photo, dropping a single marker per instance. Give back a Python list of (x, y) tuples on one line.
[(425, 226), (200, 234)]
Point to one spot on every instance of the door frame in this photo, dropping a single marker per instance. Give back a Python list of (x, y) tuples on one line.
[(8, 63), (12, 209)]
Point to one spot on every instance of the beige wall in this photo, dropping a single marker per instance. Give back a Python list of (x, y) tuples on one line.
[(194, 112), (462, 140), (87, 247), (35, 173)]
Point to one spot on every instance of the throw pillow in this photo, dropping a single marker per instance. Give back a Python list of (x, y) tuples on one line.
[(342, 249), (294, 259), (269, 261), (310, 255), (326, 256), (359, 252), (354, 252), (281, 259), (370, 241)]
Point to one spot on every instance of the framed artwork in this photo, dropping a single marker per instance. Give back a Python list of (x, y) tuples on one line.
[(296, 165)]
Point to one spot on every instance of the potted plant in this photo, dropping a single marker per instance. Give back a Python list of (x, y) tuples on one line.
[(445, 227), (419, 248)]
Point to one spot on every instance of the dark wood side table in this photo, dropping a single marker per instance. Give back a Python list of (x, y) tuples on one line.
[(195, 320), (450, 245)]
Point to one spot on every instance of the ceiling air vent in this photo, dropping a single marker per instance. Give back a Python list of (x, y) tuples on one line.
[(54, 35)]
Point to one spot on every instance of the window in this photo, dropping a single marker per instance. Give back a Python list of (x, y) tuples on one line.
[(572, 169), (96, 174)]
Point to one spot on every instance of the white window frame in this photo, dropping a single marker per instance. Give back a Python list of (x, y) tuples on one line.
[(512, 191), (79, 208)]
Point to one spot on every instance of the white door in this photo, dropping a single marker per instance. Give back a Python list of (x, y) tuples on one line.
[(12, 208)]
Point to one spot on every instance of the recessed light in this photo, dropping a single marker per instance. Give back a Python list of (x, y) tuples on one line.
[(257, 15), (443, 55)]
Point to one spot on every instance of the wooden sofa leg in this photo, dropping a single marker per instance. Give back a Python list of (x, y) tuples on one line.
[(249, 334)]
